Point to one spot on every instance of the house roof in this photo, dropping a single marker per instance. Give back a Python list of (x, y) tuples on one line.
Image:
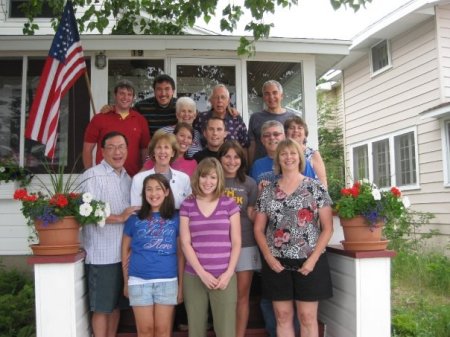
[(325, 52), (394, 23)]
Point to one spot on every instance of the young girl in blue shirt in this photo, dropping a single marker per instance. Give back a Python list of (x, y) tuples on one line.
[(152, 261)]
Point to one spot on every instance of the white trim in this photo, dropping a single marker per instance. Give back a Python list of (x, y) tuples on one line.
[(445, 139), (390, 136)]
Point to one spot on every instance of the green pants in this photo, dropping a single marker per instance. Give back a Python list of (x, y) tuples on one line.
[(223, 307)]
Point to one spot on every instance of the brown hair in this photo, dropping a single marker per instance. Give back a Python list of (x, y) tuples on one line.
[(205, 167), (167, 209), (168, 137), (288, 143), (296, 120), (233, 144)]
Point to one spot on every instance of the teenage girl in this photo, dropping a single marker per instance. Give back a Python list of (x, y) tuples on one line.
[(151, 260), (211, 240)]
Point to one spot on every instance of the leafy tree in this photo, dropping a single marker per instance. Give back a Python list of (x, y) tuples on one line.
[(169, 16)]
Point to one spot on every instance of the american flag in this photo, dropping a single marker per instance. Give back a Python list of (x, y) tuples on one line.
[(64, 65)]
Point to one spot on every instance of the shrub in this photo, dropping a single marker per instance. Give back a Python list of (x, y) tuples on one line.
[(17, 317)]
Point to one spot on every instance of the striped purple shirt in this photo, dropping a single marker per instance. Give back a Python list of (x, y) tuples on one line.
[(210, 236)]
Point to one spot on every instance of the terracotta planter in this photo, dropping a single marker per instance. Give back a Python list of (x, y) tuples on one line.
[(360, 237), (59, 238)]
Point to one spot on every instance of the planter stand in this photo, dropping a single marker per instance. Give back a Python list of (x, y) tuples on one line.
[(61, 296)]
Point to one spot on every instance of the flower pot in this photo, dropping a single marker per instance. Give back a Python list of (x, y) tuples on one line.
[(359, 236), (58, 238)]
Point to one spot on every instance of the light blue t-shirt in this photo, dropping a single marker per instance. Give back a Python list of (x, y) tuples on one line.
[(153, 246)]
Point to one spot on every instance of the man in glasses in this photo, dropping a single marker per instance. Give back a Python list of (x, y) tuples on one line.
[(272, 132), (272, 92), (123, 119)]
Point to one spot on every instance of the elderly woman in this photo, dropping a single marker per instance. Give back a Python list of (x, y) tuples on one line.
[(186, 111), (163, 150), (296, 129), (295, 270), (220, 107)]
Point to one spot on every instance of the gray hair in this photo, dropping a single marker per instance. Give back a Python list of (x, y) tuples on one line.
[(185, 101), (272, 123), (273, 82), (218, 86)]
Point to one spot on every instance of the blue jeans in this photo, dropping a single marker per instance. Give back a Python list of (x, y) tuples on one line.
[(269, 318)]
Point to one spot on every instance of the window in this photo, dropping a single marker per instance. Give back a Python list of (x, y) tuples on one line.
[(140, 72), (360, 162), (380, 57), (15, 10), (446, 151), (289, 74), (388, 161), (405, 159), (71, 125), (381, 163)]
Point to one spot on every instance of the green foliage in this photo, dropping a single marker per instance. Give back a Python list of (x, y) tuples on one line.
[(16, 304), (11, 171), (168, 17), (330, 144)]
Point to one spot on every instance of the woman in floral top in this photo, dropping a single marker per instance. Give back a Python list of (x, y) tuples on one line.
[(295, 269)]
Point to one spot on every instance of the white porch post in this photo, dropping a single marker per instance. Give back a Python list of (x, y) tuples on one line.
[(361, 302), (60, 293)]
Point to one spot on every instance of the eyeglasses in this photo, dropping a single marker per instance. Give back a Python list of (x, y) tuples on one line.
[(112, 148), (270, 134)]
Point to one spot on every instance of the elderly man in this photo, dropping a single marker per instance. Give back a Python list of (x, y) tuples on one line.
[(272, 96), (109, 182), (220, 108), (123, 119)]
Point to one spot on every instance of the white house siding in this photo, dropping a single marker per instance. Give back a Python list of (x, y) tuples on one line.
[(443, 38), (13, 230), (391, 101)]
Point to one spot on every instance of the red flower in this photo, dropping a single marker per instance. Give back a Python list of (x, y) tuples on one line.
[(357, 185), (396, 192), (20, 194), (279, 233), (31, 198), (59, 200), (346, 192), (305, 215), (354, 191), (73, 195)]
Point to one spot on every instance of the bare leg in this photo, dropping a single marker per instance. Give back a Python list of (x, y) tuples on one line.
[(307, 315), (284, 314), (244, 281), (105, 325), (145, 323), (163, 320)]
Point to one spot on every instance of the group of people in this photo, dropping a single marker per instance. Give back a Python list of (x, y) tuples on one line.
[(201, 207)]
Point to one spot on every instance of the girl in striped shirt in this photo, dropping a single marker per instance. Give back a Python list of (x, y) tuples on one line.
[(210, 236)]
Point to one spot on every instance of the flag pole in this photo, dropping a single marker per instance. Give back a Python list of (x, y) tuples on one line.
[(88, 83)]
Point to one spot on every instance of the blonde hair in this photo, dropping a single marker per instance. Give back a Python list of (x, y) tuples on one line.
[(168, 137), (284, 144), (205, 167)]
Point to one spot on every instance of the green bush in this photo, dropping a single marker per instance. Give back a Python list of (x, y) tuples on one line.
[(17, 317)]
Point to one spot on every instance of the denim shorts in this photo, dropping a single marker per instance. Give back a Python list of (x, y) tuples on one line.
[(249, 259), (164, 292), (105, 287)]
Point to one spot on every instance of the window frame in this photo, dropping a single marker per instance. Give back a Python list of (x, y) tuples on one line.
[(445, 132), (371, 58), (390, 137)]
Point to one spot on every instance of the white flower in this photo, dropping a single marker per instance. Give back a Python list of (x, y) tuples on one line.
[(2, 169), (376, 194), (406, 202), (87, 197), (85, 209), (365, 181), (99, 213), (107, 210), (101, 222)]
